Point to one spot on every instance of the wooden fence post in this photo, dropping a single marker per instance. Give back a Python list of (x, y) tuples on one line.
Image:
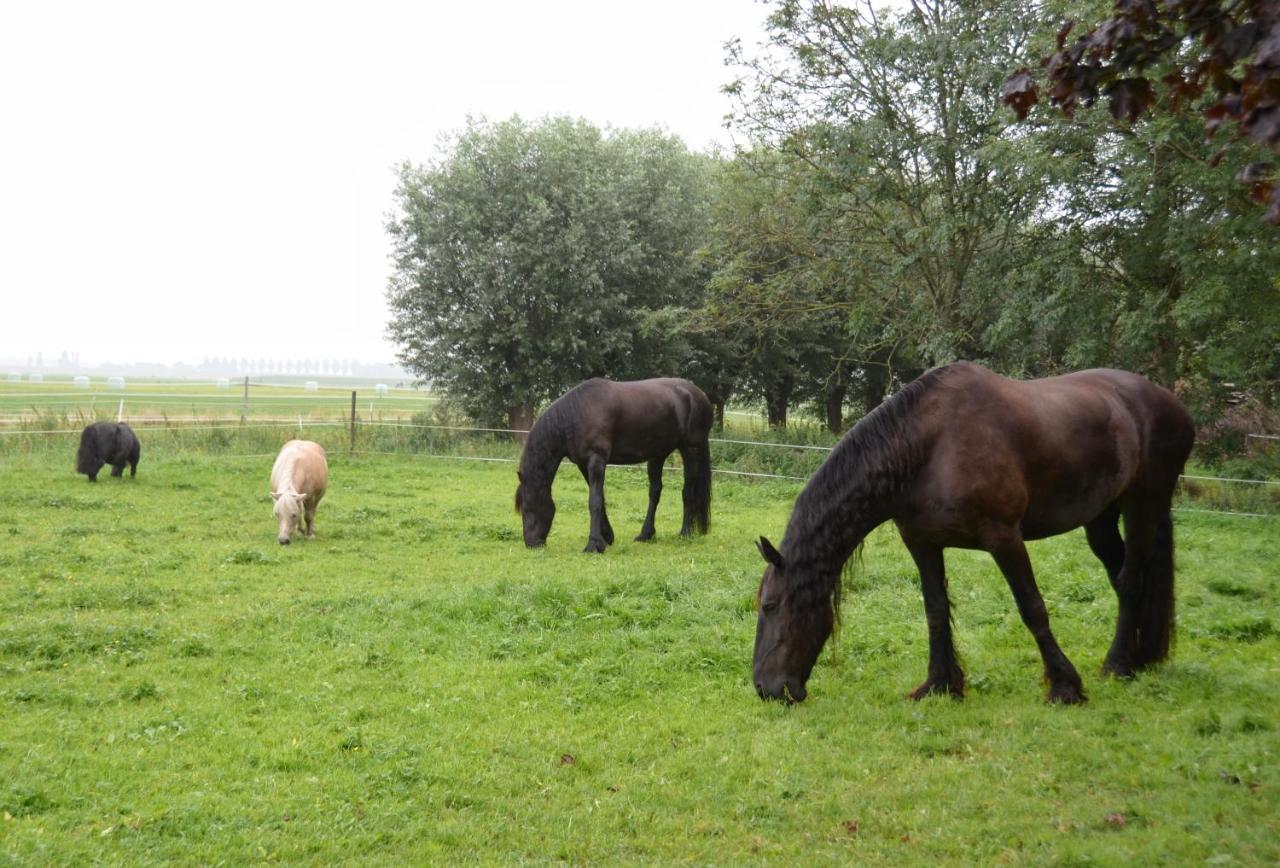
[(244, 409), (352, 446)]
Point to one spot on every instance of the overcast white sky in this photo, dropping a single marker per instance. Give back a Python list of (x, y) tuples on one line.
[(182, 180)]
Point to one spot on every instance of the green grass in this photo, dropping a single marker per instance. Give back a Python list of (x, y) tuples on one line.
[(414, 686)]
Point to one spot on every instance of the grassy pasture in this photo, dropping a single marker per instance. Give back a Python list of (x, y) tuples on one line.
[(413, 686)]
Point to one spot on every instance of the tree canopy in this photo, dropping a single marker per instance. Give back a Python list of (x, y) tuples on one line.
[(531, 256)]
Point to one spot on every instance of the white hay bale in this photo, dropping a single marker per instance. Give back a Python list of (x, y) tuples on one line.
[(381, 389), (224, 383), (312, 386), (35, 378), (82, 382), (115, 382)]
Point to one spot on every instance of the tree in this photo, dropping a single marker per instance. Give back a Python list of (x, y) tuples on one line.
[(531, 256), (1223, 55)]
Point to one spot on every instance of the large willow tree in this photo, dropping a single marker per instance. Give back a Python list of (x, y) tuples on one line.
[(531, 256)]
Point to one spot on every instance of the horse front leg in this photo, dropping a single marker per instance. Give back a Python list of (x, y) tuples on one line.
[(945, 677), (1011, 556), (601, 532), (655, 494)]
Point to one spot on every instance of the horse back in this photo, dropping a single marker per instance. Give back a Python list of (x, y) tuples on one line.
[(301, 465), (643, 419), (1048, 454)]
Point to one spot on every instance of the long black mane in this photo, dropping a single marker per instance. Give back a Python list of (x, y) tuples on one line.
[(545, 446), (849, 493)]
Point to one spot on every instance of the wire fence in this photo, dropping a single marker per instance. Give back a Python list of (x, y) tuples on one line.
[(760, 460)]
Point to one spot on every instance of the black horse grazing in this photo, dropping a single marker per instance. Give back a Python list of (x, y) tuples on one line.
[(600, 422), (962, 457), (111, 443)]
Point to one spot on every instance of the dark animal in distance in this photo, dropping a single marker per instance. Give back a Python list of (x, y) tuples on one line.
[(964, 458), (111, 443), (599, 422)]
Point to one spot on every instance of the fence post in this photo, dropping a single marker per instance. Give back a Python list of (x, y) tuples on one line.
[(352, 446), (244, 409), (120, 412)]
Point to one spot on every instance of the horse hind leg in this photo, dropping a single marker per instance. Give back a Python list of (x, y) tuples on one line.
[(1144, 587), (655, 494), (945, 676), (1011, 556)]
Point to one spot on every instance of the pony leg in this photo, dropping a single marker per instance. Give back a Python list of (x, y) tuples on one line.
[(945, 675), (1011, 556), (1144, 586), (117, 470), (655, 494), (597, 541), (309, 515)]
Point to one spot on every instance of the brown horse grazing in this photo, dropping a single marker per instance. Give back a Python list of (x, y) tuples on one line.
[(962, 457), (599, 422)]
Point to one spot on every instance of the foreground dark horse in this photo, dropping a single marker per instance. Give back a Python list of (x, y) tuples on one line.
[(111, 443), (601, 422), (962, 457)]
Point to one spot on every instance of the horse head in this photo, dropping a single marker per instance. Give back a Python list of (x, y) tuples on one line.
[(288, 509), (794, 622), (536, 509)]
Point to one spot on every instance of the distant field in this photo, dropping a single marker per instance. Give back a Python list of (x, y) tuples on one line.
[(414, 686), (176, 401)]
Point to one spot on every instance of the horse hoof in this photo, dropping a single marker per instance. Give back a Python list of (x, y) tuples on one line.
[(936, 688), (1067, 694), (594, 548), (644, 537), (1123, 671)]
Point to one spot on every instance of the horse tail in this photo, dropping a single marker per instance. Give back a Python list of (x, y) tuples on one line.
[(1155, 606), (697, 485)]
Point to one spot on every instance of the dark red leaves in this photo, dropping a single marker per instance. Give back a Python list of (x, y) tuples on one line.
[(1019, 92), (1231, 50), (1130, 98)]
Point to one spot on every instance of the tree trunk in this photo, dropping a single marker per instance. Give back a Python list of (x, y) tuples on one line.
[(777, 395), (875, 382), (718, 407), (834, 399), (520, 420)]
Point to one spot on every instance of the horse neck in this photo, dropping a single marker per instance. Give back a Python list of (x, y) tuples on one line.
[(543, 452), (850, 495)]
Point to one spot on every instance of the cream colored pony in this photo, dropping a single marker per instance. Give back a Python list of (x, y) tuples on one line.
[(298, 481)]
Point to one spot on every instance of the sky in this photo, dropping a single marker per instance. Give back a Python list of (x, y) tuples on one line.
[(188, 180)]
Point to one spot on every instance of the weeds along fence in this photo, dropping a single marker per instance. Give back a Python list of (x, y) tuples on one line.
[(755, 456)]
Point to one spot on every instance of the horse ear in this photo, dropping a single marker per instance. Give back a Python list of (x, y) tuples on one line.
[(769, 553)]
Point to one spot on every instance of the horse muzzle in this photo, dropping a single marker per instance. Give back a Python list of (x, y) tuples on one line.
[(787, 690)]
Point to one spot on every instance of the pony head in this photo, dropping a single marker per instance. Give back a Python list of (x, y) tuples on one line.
[(288, 509), (794, 622), (537, 510)]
